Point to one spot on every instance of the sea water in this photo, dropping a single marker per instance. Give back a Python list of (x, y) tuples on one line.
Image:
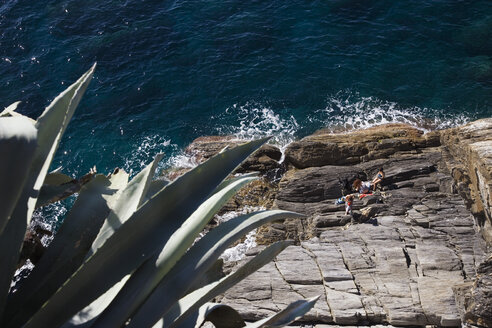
[(170, 71)]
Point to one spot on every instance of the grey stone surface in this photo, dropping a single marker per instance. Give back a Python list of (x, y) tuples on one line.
[(409, 254)]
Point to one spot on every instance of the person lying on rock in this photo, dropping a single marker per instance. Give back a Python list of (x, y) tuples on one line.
[(377, 179), (362, 187)]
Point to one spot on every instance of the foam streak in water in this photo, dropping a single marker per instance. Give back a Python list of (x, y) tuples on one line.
[(255, 121), (349, 111)]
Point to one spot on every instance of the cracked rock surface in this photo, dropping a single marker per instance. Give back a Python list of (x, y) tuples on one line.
[(392, 273), (412, 254)]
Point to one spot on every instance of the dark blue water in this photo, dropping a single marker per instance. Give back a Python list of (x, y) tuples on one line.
[(170, 71)]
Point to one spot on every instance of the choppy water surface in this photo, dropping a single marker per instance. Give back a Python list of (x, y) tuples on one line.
[(169, 72)]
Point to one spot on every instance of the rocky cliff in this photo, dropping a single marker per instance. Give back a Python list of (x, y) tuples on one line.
[(416, 252)]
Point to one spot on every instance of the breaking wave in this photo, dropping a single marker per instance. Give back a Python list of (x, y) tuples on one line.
[(256, 121), (349, 111)]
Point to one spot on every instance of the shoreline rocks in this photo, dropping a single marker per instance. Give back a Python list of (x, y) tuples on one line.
[(415, 253)]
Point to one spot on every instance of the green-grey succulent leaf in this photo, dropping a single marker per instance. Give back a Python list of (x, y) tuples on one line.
[(131, 198), (214, 273), (51, 194), (154, 187), (147, 276), (292, 312), (50, 125), (55, 178), (11, 112), (7, 112), (197, 261), (226, 182), (66, 253), (88, 315), (19, 133), (17, 146), (193, 301), (144, 233)]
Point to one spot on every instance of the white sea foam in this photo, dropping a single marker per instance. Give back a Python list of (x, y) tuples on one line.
[(145, 150), (20, 274), (256, 121), (349, 111), (181, 159), (148, 147), (51, 216), (238, 251), (343, 111), (244, 210)]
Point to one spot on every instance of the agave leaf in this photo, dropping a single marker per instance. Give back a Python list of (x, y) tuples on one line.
[(226, 182), (67, 251), (7, 112), (119, 181), (88, 315), (131, 197), (292, 312), (144, 233), (11, 112), (147, 276), (197, 261), (51, 125), (193, 301), (56, 178), (20, 134), (154, 187), (214, 273), (17, 146)]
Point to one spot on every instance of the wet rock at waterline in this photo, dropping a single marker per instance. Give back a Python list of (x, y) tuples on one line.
[(264, 160)]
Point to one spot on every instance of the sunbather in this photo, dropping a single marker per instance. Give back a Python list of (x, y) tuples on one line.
[(378, 178), (362, 187)]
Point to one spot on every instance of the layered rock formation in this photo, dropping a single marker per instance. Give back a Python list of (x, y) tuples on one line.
[(414, 253), (470, 162)]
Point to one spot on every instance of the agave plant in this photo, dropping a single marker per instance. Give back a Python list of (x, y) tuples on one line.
[(125, 254)]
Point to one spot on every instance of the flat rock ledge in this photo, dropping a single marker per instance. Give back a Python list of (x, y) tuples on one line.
[(415, 253), (393, 272)]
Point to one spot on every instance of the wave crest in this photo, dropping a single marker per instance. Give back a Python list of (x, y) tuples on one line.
[(253, 120), (349, 111)]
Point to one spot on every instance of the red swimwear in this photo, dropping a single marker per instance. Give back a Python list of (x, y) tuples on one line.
[(364, 195)]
